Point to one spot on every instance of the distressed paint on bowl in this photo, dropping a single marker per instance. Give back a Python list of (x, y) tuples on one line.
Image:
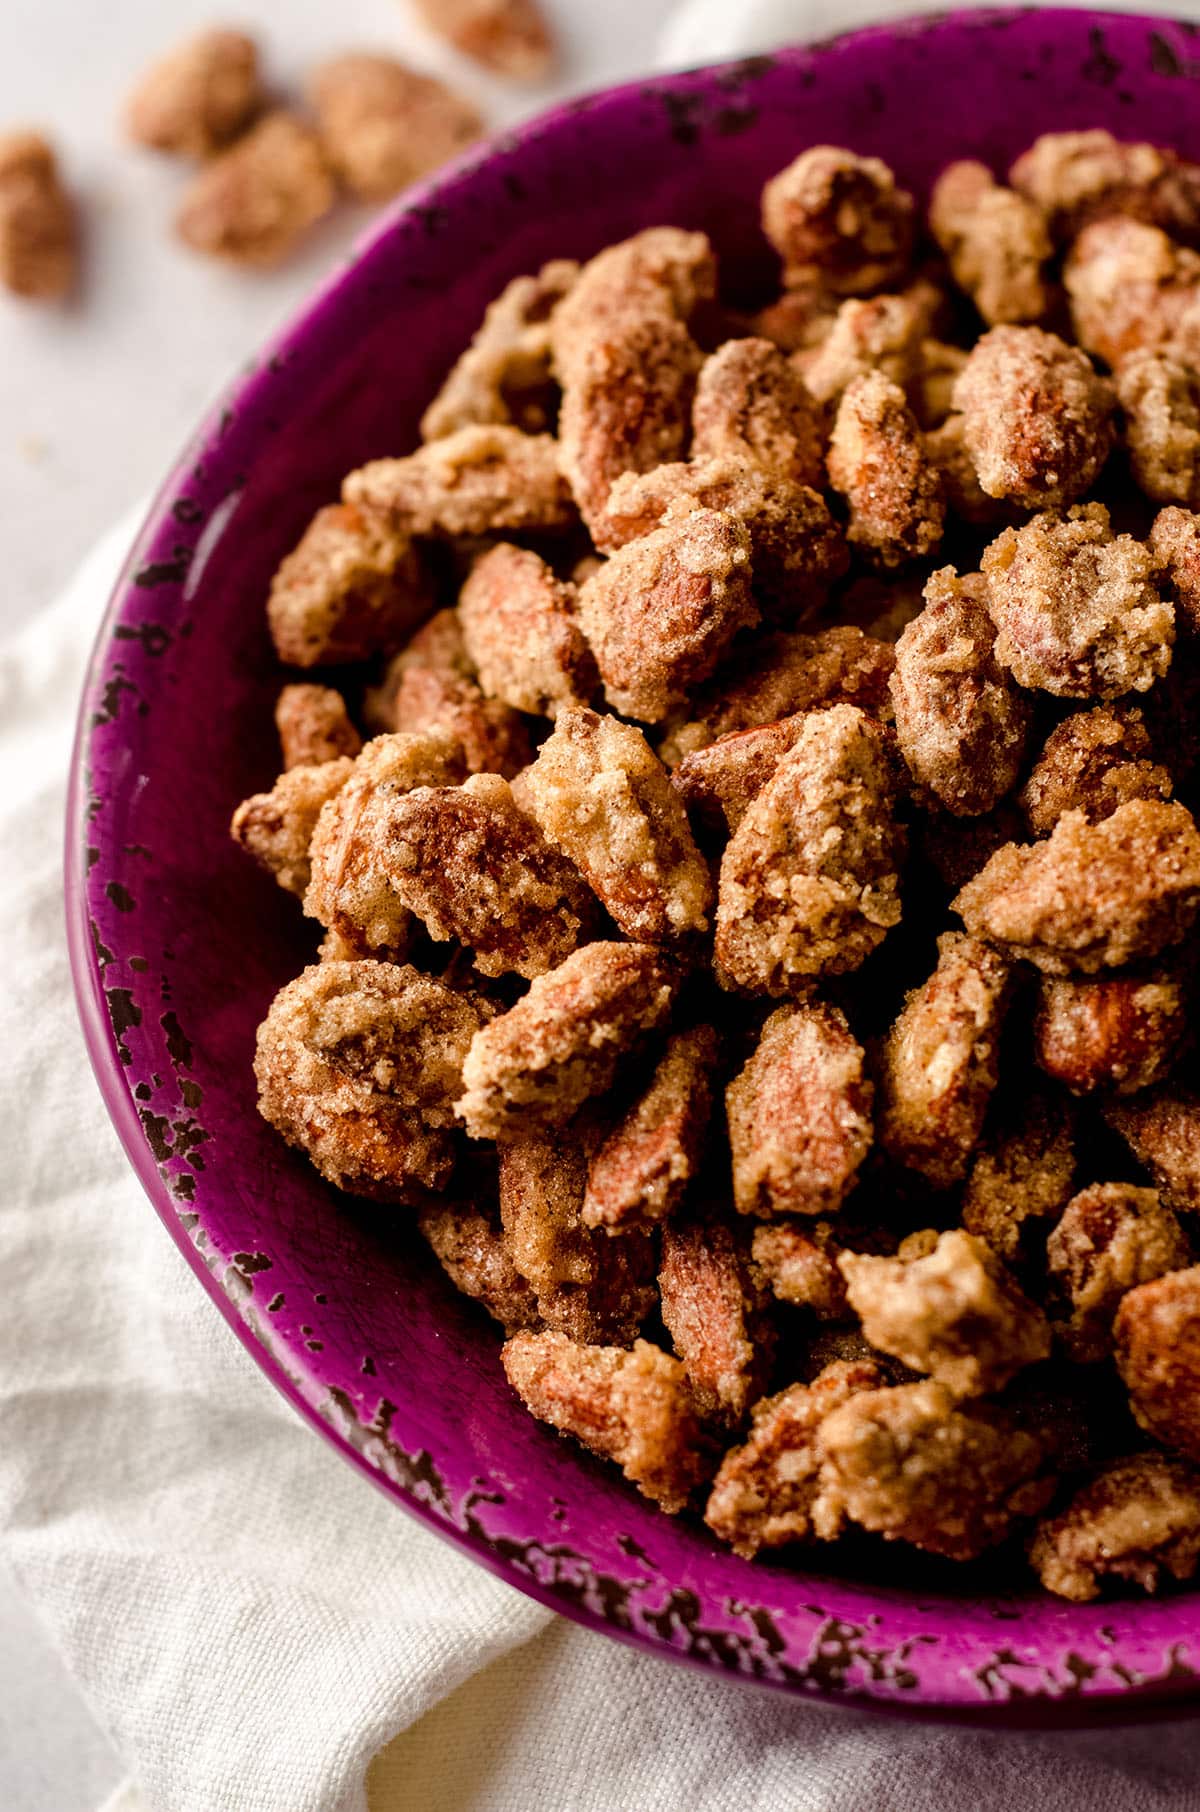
[(179, 944)]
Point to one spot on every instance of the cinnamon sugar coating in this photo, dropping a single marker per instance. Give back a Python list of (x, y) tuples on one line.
[(809, 881), (561, 1044), (505, 375), (713, 1310), (630, 1407), (255, 201), (1112, 1237), (350, 892), (842, 217), (955, 1312), (1037, 420), (640, 1170), (1160, 402), (276, 828), (1132, 288), (878, 462), (587, 1287), (198, 96), (1162, 1129), (764, 1491), (1157, 1336), (350, 587), (1092, 762), (798, 1262), (1022, 1173), (1120, 1033), (780, 675), (481, 480), (938, 1065), (887, 334), (605, 801), (996, 242), (1076, 608), (960, 721), (661, 612), (314, 726), (1137, 1523), (913, 1466), (475, 1256), (359, 1064), (520, 633), (1175, 544), (797, 550), (751, 404), (1092, 896), (1075, 177), (799, 1115), (383, 124), (431, 688)]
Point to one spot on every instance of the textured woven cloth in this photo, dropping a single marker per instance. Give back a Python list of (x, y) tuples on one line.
[(255, 1627)]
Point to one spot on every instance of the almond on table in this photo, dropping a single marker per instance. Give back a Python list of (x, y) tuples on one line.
[(198, 97), (259, 197), (38, 231)]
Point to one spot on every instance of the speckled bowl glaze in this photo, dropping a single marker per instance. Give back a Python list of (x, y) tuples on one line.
[(179, 943)]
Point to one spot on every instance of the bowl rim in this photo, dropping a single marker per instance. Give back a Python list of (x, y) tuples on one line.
[(1164, 1697)]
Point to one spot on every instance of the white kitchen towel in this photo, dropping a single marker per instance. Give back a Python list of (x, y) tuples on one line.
[(250, 1621)]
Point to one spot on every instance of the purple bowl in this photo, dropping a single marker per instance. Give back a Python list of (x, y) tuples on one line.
[(178, 944)]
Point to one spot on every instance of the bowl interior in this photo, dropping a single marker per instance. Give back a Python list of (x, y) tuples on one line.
[(180, 944)]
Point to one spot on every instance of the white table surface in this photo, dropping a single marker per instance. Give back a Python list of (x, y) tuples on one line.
[(96, 398)]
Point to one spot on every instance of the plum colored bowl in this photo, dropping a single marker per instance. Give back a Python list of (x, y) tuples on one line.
[(179, 944)]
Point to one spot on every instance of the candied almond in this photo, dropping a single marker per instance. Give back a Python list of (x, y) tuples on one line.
[(960, 721), (276, 828), (504, 375), (639, 1171), (839, 216), (350, 891), (430, 687), (603, 798), (1175, 544), (351, 587), (799, 319), (995, 240), (718, 782), (1157, 1335), (1112, 1237), (314, 726), (1093, 761), (561, 1044), (520, 633), (253, 202), (1091, 896), (474, 1255), (199, 96), (781, 674), (661, 612), (751, 404), (509, 37), (938, 1066), (1022, 1172), (798, 1262), (763, 1494), (38, 235), (797, 549), (1160, 402), (482, 480), (662, 272), (1162, 1130), (630, 1407), (799, 1114), (713, 1310), (358, 1064), (1075, 177), (1120, 1033), (809, 881), (587, 1287), (1037, 419), (879, 333), (1136, 1523), (1076, 608), (1132, 288), (954, 1312), (383, 124), (878, 462), (626, 407)]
